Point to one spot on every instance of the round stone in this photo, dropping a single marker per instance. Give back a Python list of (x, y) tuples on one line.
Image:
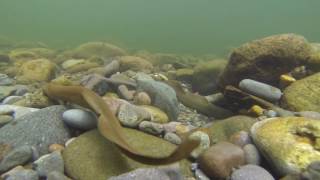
[(80, 119)]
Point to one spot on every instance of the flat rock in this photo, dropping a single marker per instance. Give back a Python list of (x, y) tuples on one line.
[(38, 129)]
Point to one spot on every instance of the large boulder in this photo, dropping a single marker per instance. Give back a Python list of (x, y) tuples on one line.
[(289, 144), (266, 59), (303, 95), (91, 156)]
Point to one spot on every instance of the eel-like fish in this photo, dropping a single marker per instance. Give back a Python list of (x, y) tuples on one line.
[(109, 126)]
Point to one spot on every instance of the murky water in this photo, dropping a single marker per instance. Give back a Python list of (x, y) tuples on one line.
[(176, 26)]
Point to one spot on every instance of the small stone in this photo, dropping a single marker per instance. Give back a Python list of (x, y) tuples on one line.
[(95, 83), (181, 129), (19, 173), (173, 138), (270, 113), (151, 127), (259, 89), (286, 80), (4, 119), (251, 154), (240, 138), (204, 143), (125, 93), (256, 110), (18, 156), (251, 172), (54, 175), (219, 159), (56, 147), (131, 115), (80, 119), (11, 99), (49, 163), (142, 98), (158, 116), (171, 126)]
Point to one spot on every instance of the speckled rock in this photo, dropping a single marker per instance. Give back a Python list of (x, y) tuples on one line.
[(173, 138), (49, 163), (151, 127), (162, 95), (265, 59), (251, 172), (19, 173), (303, 95), (219, 159), (259, 89), (38, 129), (36, 71), (80, 119), (16, 111), (4, 119), (135, 63), (18, 156), (204, 143), (158, 116), (297, 147), (106, 160), (36, 99), (252, 154), (131, 115)]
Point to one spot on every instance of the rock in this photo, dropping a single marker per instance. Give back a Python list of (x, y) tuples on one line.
[(270, 113), (251, 172), (135, 63), (56, 147), (19, 173), (22, 55), (240, 138), (303, 95), (205, 76), (49, 163), (314, 61), (151, 127), (114, 103), (5, 119), (6, 91), (252, 154), (106, 160), (11, 99), (162, 95), (16, 111), (171, 126), (95, 49), (72, 62), (204, 143), (54, 175), (80, 119), (95, 83), (259, 89), (297, 147), (313, 171), (199, 175), (82, 67), (4, 58), (109, 69), (309, 114), (38, 129), (18, 156), (21, 90), (36, 99), (36, 71), (184, 74), (4, 150), (125, 93), (223, 129), (131, 115), (173, 138), (5, 80), (219, 159), (142, 98), (265, 60), (159, 173), (158, 116)]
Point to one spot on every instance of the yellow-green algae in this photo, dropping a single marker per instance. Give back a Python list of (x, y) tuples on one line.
[(290, 144)]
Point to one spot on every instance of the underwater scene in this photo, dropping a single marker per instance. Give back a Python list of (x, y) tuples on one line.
[(159, 90)]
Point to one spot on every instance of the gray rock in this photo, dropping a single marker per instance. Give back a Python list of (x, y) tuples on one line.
[(251, 172), (6, 91), (151, 127), (18, 156), (5, 80), (39, 129), (80, 119), (11, 99), (172, 137), (162, 95), (19, 173), (199, 175), (54, 175), (16, 111), (4, 119), (259, 89), (49, 163), (96, 83), (251, 154)]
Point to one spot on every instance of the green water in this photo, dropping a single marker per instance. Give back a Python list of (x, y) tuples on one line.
[(174, 26)]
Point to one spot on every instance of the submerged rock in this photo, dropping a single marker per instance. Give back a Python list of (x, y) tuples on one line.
[(251, 172), (18, 156), (80, 119), (135, 64), (289, 144), (266, 59)]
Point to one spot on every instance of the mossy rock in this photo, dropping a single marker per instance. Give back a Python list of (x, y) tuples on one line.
[(184, 74), (22, 55), (266, 59), (221, 130), (303, 95), (206, 74), (134, 63), (314, 61), (91, 156)]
